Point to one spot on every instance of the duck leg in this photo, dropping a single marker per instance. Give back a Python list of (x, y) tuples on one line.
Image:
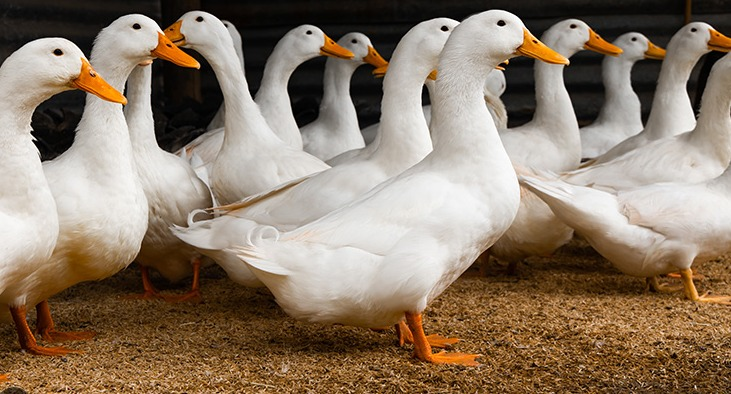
[(435, 340), (194, 295), (46, 328), (422, 349), (3, 378), (690, 291), (150, 292), (28, 341)]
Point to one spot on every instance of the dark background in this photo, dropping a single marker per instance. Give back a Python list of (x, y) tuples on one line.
[(186, 99)]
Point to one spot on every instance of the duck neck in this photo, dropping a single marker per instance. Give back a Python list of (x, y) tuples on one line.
[(672, 112), (102, 127), (553, 103), (403, 134), (22, 175), (620, 100), (463, 131), (714, 124), (17, 110), (245, 127), (273, 97), (139, 110), (336, 101)]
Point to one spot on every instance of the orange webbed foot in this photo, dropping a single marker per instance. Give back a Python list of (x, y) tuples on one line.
[(422, 348), (440, 342), (435, 340), (695, 275), (654, 284), (147, 295), (193, 297), (722, 300), (49, 351), (61, 336), (3, 378), (455, 358), (691, 293)]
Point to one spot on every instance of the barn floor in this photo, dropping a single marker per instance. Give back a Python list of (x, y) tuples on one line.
[(563, 324)]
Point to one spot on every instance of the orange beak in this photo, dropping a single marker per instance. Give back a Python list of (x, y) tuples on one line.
[(533, 47), (174, 34), (168, 51), (719, 42), (374, 58), (597, 44), (331, 48), (89, 81), (654, 52)]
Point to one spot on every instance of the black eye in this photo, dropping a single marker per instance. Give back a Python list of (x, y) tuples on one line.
[(694, 30), (199, 19), (634, 38), (136, 26), (57, 52), (308, 32), (445, 28), (226, 24), (501, 23), (573, 26), (354, 41)]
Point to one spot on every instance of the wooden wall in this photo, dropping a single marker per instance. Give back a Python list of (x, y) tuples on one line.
[(262, 23)]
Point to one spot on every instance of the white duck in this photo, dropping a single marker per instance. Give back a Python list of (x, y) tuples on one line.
[(101, 206), (549, 141), (397, 248), (621, 114), (297, 46), (405, 141), (172, 189), (252, 158), (218, 118), (651, 230), (694, 156), (29, 230), (336, 128), (672, 112), (294, 48)]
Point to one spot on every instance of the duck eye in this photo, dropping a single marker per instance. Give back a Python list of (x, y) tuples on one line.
[(57, 52), (445, 28), (501, 23), (634, 38), (694, 30), (308, 32), (136, 26), (226, 24), (199, 19), (354, 41), (573, 26)]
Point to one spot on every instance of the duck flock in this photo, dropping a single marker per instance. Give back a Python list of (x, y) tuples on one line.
[(349, 226)]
